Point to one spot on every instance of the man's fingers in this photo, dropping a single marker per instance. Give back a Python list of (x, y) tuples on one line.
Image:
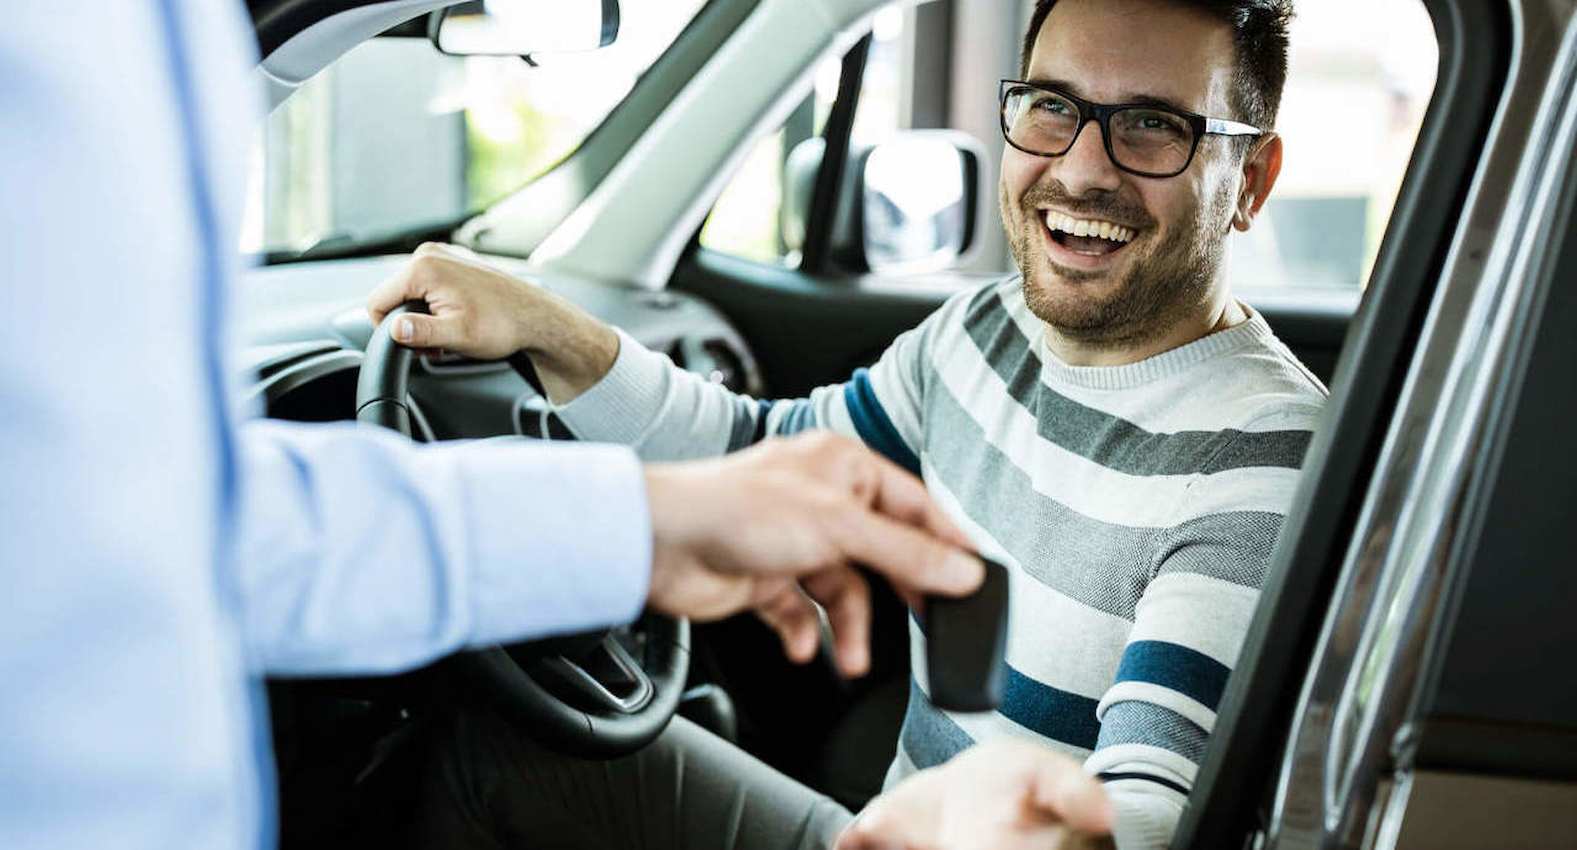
[(910, 558), (902, 822), (390, 294), (414, 330), (1068, 795), (860, 837), (451, 251), (847, 598), (902, 496), (412, 282), (794, 618)]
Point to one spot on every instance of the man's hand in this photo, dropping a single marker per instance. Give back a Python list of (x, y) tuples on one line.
[(762, 528), (481, 312), (1001, 795)]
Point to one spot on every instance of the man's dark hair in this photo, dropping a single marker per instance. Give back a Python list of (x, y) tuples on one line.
[(1259, 30)]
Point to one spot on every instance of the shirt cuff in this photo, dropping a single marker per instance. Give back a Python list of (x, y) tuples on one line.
[(620, 407), (1142, 821), (560, 538)]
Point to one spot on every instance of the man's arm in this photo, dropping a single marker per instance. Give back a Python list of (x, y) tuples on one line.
[(610, 388), (360, 552), (1190, 623)]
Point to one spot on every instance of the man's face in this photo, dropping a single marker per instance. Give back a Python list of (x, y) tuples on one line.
[(1095, 290)]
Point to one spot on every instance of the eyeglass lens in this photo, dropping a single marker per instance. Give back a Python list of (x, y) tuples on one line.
[(1152, 141)]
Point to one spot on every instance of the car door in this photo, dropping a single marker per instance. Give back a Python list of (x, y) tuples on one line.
[(1436, 513)]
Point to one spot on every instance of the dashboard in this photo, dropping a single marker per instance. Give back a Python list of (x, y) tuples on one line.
[(305, 327)]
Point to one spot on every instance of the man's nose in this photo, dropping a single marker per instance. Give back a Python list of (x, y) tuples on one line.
[(1086, 167)]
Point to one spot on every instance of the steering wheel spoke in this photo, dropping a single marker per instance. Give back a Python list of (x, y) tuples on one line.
[(607, 677)]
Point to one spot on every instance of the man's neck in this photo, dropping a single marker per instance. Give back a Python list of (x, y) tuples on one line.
[(1217, 316)]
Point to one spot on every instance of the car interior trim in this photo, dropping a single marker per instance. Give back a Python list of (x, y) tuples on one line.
[(1514, 517), (834, 157), (1444, 810), (282, 382), (310, 50)]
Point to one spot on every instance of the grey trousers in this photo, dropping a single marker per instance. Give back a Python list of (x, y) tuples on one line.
[(492, 788)]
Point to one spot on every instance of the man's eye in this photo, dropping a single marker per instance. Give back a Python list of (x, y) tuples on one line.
[(1055, 107), (1152, 124)]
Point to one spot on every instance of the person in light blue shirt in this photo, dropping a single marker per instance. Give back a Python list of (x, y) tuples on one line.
[(160, 551)]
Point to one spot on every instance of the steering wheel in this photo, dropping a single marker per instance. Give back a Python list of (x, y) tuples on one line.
[(585, 695)]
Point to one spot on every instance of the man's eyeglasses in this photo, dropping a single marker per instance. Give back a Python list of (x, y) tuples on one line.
[(1142, 139)]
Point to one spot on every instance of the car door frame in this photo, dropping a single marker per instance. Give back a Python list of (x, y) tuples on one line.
[(1439, 250)]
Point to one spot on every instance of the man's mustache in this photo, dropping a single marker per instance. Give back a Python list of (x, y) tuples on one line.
[(1105, 206)]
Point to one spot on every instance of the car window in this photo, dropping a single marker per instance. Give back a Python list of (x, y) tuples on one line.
[(747, 220), (1361, 75), (395, 136)]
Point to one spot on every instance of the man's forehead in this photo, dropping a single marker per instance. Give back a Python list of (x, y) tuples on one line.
[(1122, 51)]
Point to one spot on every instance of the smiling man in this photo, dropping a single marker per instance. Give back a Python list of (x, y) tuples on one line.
[(1111, 423)]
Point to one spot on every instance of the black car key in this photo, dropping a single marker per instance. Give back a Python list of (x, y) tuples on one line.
[(965, 638)]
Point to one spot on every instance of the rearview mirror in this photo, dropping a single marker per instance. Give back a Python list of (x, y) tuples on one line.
[(525, 27)]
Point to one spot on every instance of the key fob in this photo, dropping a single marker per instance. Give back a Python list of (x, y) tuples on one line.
[(964, 642)]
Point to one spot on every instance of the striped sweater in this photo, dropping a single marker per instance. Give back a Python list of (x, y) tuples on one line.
[(1135, 507)]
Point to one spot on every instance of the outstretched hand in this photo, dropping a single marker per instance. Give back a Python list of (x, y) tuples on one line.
[(770, 528), (1004, 794)]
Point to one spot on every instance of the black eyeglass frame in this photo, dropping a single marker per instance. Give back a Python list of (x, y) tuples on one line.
[(1101, 113)]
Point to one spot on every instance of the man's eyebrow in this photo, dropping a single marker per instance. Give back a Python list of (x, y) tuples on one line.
[(1137, 99)]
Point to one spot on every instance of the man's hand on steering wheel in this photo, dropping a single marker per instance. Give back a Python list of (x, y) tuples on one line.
[(481, 312), (765, 529)]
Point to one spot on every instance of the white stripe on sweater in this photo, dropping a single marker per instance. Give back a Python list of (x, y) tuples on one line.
[(1040, 616), (1079, 483)]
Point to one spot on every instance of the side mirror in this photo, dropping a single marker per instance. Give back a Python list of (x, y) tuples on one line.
[(524, 27), (918, 198), (799, 185), (908, 205)]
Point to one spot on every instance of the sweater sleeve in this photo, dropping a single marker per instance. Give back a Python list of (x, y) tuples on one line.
[(667, 413)]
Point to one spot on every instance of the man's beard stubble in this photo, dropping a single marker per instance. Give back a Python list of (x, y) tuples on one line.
[(1160, 288)]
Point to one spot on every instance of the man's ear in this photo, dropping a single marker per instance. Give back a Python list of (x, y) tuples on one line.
[(1260, 169)]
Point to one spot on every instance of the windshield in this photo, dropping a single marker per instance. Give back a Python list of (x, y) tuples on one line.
[(396, 137)]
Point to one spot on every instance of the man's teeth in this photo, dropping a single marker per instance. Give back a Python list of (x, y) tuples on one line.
[(1087, 227)]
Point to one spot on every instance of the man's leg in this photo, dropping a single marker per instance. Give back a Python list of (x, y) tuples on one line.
[(492, 788)]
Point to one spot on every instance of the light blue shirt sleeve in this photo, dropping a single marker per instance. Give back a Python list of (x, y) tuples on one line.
[(361, 553)]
